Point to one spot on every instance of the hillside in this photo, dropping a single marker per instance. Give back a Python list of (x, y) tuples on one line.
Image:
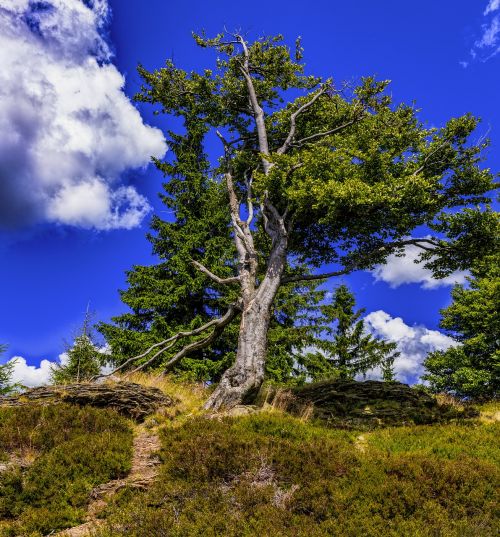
[(263, 472)]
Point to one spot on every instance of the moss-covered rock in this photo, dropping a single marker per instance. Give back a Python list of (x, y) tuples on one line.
[(363, 405)]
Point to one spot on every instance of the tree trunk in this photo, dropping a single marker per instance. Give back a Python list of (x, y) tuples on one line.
[(244, 377)]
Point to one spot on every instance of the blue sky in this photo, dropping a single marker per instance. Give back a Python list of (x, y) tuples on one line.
[(76, 195)]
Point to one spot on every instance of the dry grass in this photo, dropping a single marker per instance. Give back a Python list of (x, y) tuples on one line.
[(283, 400), (489, 412), (190, 396), (445, 399)]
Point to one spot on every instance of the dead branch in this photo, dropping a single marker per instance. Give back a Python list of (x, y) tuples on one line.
[(223, 281), (168, 343), (293, 118)]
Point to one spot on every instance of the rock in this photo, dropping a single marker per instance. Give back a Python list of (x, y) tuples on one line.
[(133, 400), (363, 405)]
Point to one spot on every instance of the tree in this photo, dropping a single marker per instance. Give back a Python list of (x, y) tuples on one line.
[(333, 178), (6, 371), (84, 359), (175, 296), (472, 368), (348, 349)]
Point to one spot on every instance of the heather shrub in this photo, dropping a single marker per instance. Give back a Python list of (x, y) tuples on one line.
[(273, 475), (74, 450)]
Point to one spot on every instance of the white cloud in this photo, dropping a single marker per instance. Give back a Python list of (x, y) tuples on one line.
[(492, 6), (67, 130), (401, 270), (487, 44), (31, 375), (413, 342)]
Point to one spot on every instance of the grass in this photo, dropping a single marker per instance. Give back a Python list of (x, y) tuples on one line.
[(69, 450), (269, 474), (265, 474), (190, 396)]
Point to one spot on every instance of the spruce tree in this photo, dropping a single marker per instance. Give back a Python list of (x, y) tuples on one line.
[(84, 360), (472, 367), (347, 350)]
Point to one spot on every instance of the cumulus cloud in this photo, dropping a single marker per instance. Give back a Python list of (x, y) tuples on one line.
[(401, 270), (67, 129), (31, 375), (487, 43), (413, 342)]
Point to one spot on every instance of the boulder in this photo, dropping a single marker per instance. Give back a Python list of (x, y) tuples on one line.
[(130, 399)]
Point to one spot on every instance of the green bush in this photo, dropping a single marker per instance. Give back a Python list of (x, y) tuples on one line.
[(78, 448), (275, 476), (41, 428)]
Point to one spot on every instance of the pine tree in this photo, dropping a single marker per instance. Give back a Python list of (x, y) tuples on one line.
[(6, 371), (84, 360), (347, 350)]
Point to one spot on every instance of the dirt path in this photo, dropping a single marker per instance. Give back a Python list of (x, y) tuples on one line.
[(144, 470)]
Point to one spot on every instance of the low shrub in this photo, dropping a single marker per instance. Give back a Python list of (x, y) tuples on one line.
[(78, 448), (273, 475)]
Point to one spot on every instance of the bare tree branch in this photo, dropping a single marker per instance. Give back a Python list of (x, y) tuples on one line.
[(223, 281), (254, 102), (248, 183), (293, 118), (427, 157), (219, 324), (166, 344), (326, 133), (425, 243)]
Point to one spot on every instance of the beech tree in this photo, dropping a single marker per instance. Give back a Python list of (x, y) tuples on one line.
[(317, 176), (174, 296)]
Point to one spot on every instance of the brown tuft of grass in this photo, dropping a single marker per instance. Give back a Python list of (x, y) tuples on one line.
[(191, 396), (445, 399)]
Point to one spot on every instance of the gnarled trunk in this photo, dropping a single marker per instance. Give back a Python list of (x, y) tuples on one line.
[(245, 376)]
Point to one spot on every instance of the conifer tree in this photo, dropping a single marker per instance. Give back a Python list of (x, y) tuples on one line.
[(84, 360), (472, 368), (347, 350), (6, 371)]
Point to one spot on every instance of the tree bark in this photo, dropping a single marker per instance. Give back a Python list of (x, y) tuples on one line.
[(243, 379), (245, 376)]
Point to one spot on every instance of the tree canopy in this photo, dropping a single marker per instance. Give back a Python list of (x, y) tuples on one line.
[(315, 179)]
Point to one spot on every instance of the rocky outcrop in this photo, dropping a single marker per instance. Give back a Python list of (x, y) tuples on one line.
[(364, 405), (130, 399)]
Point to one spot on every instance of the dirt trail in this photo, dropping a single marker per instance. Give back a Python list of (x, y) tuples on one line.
[(144, 470)]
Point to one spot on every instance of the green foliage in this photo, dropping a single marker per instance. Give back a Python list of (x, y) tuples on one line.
[(75, 449), (174, 295), (6, 370), (273, 475), (349, 349), (473, 319), (355, 177), (84, 359)]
